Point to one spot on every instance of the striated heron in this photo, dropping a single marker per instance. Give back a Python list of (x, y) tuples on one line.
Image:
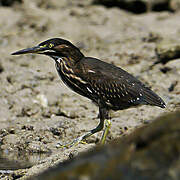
[(108, 86)]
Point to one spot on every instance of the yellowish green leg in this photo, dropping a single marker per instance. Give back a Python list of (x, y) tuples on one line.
[(105, 132)]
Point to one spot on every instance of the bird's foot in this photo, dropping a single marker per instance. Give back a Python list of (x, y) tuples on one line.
[(73, 143)]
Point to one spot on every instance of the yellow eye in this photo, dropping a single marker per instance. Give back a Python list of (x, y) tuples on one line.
[(51, 45), (43, 46)]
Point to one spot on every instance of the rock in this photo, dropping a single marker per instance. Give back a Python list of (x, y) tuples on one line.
[(151, 152), (1, 68), (9, 2), (167, 50), (175, 5), (141, 6)]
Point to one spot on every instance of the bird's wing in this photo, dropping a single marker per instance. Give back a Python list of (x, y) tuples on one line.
[(116, 85)]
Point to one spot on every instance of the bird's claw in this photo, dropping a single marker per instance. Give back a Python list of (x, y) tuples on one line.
[(75, 142)]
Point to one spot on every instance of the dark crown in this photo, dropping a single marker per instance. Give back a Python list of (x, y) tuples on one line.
[(56, 41)]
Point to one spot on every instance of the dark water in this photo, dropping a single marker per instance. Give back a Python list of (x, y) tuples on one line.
[(14, 161)]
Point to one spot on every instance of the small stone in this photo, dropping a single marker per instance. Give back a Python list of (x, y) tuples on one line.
[(56, 131), (37, 147), (42, 99), (73, 154), (11, 139)]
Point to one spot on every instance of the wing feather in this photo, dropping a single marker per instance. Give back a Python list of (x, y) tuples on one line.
[(115, 86)]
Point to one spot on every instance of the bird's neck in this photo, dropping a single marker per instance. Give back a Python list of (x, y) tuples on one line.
[(70, 57), (74, 55)]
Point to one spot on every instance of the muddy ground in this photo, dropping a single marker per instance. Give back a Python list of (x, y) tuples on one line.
[(37, 110)]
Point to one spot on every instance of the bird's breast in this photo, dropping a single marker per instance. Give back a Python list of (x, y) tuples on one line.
[(71, 79)]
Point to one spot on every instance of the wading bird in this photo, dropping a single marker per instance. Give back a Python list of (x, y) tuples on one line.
[(108, 86)]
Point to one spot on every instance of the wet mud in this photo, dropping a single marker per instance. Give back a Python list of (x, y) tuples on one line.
[(37, 110)]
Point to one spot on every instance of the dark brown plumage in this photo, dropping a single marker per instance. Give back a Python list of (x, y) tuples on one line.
[(108, 86)]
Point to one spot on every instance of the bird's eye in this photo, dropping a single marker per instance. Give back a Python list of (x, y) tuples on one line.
[(51, 45), (43, 46)]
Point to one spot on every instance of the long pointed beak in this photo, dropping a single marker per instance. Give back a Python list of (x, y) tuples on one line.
[(36, 49)]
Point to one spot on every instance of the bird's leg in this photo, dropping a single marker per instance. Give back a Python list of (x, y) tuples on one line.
[(103, 114), (106, 130), (107, 127)]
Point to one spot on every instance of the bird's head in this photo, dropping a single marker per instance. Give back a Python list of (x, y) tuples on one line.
[(54, 48)]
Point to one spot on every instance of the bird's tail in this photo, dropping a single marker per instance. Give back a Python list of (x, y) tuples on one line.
[(152, 98)]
